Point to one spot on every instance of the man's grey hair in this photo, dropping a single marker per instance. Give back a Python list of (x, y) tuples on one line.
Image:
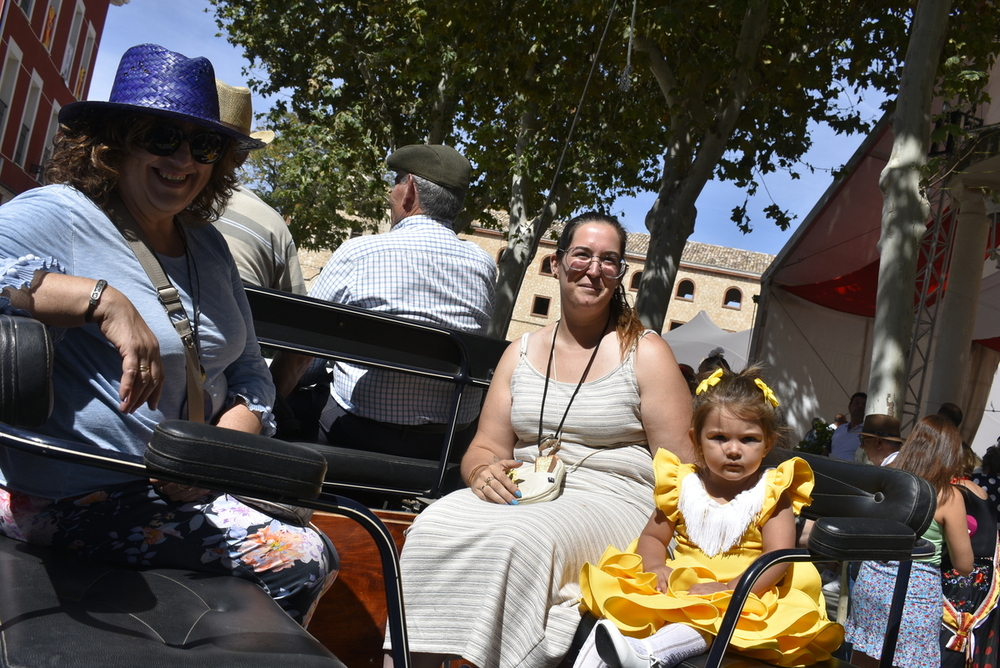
[(437, 201)]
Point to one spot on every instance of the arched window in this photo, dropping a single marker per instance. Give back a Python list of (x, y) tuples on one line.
[(734, 298), (633, 283), (546, 269), (685, 290)]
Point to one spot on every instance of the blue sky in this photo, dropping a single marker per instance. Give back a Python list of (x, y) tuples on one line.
[(188, 27)]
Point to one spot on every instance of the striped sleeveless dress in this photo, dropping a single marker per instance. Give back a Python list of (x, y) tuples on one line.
[(498, 585)]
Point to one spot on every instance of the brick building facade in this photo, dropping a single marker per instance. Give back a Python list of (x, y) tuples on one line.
[(47, 53)]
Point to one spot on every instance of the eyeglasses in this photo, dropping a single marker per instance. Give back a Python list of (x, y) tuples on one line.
[(164, 139), (579, 258)]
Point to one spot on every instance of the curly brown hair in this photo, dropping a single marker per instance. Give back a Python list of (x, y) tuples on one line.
[(89, 154)]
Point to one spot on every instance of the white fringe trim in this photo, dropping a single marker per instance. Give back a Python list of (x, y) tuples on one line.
[(718, 527)]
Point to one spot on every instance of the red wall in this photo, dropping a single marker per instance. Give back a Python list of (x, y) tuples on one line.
[(47, 65)]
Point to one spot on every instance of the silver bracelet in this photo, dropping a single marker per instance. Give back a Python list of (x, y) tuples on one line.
[(95, 297)]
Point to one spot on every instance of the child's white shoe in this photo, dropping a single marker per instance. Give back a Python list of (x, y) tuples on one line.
[(615, 649)]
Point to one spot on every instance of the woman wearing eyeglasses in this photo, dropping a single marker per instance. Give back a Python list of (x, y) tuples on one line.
[(154, 159), (490, 573)]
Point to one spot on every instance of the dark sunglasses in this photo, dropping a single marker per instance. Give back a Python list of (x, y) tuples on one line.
[(164, 139)]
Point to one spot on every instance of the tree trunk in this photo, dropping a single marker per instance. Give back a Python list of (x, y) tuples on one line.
[(671, 222), (688, 165), (521, 248), (905, 210)]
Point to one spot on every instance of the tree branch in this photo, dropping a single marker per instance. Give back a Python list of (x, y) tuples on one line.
[(659, 67), (741, 84)]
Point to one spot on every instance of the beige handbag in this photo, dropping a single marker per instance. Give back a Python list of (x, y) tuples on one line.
[(537, 486)]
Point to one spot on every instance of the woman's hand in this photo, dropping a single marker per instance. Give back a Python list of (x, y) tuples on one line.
[(59, 300), (662, 573), (178, 493), (490, 482), (142, 370)]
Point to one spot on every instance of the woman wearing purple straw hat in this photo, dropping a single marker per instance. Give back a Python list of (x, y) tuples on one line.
[(155, 164)]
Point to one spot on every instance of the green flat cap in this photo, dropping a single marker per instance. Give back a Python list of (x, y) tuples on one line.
[(437, 163)]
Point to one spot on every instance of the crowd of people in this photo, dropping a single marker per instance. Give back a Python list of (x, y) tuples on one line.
[(600, 475)]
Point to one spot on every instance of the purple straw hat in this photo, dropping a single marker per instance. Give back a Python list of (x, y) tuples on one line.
[(153, 80)]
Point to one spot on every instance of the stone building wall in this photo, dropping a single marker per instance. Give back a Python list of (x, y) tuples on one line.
[(713, 271)]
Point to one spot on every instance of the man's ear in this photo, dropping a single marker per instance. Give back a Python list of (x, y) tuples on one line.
[(410, 201)]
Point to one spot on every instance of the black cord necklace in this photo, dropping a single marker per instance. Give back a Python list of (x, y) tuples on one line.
[(555, 441)]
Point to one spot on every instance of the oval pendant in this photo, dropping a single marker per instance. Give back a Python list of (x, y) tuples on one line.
[(545, 463), (549, 442)]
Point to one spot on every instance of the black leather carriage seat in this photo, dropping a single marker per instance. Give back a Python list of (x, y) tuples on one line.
[(59, 610), (371, 339)]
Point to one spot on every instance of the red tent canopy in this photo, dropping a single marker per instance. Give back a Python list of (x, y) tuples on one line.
[(833, 259)]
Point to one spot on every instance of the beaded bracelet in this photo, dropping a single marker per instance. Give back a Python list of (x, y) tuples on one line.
[(472, 476)]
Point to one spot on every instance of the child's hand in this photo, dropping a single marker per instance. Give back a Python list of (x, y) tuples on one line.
[(705, 588), (662, 575)]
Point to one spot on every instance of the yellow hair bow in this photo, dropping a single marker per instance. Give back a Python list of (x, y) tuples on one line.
[(768, 394), (711, 381)]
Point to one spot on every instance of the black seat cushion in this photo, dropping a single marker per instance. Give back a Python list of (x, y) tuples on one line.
[(25, 372), (58, 610)]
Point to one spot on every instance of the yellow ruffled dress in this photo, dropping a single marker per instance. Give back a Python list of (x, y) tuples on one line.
[(786, 626)]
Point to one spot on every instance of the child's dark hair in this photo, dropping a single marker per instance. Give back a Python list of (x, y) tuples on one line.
[(991, 460), (743, 398)]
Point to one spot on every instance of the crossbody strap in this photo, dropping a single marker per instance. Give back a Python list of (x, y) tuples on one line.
[(170, 299)]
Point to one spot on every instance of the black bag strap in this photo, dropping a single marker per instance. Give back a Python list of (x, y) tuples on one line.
[(170, 299)]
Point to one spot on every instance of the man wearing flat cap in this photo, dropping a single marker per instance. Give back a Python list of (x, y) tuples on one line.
[(880, 438), (419, 270)]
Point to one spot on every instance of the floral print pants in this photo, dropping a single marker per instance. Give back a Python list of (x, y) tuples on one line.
[(133, 524)]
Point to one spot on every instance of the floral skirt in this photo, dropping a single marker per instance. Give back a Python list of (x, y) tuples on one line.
[(132, 524), (871, 598)]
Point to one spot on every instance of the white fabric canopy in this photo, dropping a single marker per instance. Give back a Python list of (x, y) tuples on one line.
[(695, 339)]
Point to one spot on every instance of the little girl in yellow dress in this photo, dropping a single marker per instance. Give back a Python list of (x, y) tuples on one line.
[(723, 512)]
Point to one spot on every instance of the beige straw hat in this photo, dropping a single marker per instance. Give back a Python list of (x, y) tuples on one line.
[(236, 110)]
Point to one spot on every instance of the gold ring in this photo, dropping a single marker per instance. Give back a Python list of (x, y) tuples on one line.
[(143, 368), (484, 486), (489, 480), (183, 488)]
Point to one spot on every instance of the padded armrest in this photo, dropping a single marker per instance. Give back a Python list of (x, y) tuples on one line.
[(860, 539), (233, 461), (846, 489), (371, 470), (25, 372)]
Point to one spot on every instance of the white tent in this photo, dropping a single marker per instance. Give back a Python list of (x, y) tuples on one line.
[(695, 339)]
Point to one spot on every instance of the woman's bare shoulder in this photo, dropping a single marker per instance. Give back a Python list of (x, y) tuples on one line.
[(973, 487), (653, 348)]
